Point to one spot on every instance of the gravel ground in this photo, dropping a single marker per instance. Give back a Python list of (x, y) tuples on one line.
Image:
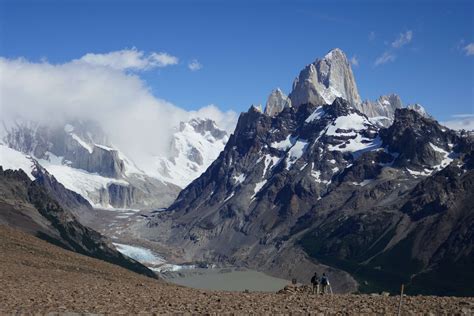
[(37, 277)]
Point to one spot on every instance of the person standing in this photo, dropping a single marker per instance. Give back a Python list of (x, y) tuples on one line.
[(315, 283), (324, 284)]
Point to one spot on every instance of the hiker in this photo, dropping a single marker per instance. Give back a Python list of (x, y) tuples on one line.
[(324, 284), (315, 283)]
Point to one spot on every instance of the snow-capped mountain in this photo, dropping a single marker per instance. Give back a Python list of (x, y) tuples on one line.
[(320, 184), (194, 146), (80, 156)]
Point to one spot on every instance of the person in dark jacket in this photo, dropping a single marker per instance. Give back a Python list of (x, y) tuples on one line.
[(324, 284), (315, 283)]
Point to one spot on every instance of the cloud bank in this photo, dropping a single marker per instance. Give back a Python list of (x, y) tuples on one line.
[(99, 89), (461, 121)]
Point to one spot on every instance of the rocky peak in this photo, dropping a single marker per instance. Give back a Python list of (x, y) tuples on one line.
[(203, 126), (327, 78), (384, 106), (420, 143), (420, 109), (276, 102)]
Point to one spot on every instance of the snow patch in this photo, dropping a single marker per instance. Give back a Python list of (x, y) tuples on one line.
[(15, 160), (316, 115), (257, 188), (239, 179), (82, 143), (284, 144)]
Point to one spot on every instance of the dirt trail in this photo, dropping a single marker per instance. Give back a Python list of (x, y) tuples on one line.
[(39, 277)]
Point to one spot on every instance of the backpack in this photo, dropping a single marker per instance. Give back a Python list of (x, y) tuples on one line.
[(324, 280)]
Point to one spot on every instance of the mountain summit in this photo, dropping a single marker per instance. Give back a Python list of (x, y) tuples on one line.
[(324, 80)]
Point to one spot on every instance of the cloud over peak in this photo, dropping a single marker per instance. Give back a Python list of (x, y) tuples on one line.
[(136, 121), (129, 59)]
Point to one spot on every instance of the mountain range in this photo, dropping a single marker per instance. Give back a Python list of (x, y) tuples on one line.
[(374, 193), (371, 192)]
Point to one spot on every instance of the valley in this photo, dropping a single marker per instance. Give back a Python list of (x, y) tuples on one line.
[(38, 277)]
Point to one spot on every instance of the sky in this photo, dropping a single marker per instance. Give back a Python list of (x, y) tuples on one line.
[(231, 54)]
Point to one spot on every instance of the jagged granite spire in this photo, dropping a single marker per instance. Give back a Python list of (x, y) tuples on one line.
[(420, 109), (385, 105), (276, 102), (327, 78)]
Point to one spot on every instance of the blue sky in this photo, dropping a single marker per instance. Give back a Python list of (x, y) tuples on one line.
[(247, 48)]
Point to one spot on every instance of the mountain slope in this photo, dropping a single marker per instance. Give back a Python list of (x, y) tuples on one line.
[(194, 146), (27, 206)]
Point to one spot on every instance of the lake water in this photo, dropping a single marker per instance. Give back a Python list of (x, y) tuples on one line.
[(226, 279)]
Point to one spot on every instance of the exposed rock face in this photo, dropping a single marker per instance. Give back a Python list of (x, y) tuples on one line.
[(276, 102), (324, 80), (27, 206), (323, 184), (382, 109), (193, 148), (420, 109)]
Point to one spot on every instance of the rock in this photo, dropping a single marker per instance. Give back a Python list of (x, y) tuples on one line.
[(277, 101), (322, 81)]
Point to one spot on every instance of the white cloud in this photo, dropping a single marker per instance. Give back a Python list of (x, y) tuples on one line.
[(403, 39), (354, 61), (461, 121), (136, 121), (469, 49), (389, 55), (129, 59), (385, 58), (194, 65)]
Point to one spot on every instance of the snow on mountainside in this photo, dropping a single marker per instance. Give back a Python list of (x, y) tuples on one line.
[(15, 160), (79, 155), (195, 145)]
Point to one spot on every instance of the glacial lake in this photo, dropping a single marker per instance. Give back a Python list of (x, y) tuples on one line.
[(226, 279)]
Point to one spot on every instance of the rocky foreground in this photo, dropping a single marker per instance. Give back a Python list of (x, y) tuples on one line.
[(37, 277)]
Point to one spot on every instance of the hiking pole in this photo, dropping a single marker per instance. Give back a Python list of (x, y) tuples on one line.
[(400, 305), (330, 288)]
